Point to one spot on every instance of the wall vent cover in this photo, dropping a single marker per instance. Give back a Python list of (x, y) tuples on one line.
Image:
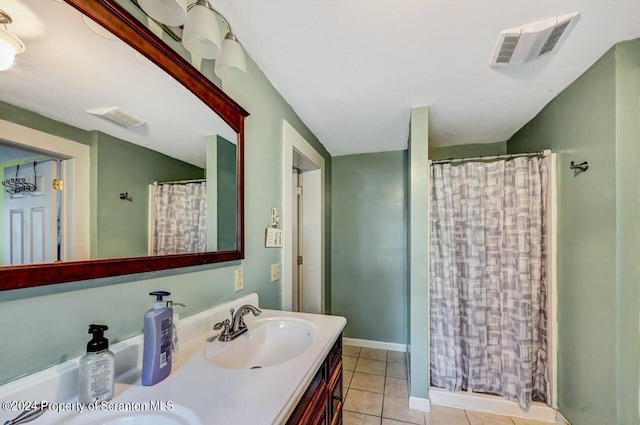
[(526, 43), (117, 116)]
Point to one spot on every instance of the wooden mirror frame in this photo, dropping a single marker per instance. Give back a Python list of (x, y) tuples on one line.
[(116, 19)]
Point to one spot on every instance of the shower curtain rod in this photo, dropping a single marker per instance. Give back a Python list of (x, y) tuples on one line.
[(541, 154), (181, 182)]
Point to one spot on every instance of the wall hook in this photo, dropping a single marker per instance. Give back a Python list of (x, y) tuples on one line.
[(580, 167), (125, 196)]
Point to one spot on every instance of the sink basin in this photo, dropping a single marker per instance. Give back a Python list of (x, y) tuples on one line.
[(267, 342), (178, 415)]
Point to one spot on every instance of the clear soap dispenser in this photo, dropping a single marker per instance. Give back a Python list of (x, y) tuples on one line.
[(175, 343), (97, 368)]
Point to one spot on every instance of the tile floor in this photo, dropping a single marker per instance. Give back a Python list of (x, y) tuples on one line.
[(375, 385)]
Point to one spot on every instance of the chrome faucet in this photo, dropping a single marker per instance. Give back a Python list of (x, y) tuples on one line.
[(236, 326), (28, 415)]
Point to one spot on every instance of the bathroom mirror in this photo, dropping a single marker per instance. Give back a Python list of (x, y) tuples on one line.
[(172, 125)]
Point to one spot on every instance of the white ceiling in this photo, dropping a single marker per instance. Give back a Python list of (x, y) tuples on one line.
[(68, 68), (353, 69)]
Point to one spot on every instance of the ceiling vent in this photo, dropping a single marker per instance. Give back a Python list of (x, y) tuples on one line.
[(526, 43), (117, 116)]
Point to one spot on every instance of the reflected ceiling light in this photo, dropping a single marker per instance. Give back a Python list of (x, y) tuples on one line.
[(168, 12), (201, 34), (10, 45)]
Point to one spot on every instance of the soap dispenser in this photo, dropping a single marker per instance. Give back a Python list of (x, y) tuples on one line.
[(158, 339), (97, 368), (175, 347)]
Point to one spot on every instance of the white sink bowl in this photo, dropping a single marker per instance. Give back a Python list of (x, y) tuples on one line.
[(267, 342), (178, 415)]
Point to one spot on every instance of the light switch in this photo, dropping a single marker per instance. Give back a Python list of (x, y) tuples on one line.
[(275, 272)]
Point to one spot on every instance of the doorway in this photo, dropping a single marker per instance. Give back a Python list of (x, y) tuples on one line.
[(73, 170), (31, 210), (303, 225)]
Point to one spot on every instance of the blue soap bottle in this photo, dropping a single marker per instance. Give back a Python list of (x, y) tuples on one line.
[(158, 338)]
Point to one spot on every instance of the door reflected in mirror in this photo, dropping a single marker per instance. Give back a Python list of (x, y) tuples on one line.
[(147, 138)]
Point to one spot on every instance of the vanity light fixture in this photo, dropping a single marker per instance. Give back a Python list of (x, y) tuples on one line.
[(169, 12), (10, 45), (201, 34)]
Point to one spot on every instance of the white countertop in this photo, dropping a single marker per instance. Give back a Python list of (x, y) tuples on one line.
[(195, 386)]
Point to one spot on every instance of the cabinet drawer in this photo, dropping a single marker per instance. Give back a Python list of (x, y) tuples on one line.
[(309, 401), (335, 393), (317, 409), (337, 417), (335, 355)]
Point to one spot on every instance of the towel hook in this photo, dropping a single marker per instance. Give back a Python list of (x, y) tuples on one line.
[(125, 197), (582, 167)]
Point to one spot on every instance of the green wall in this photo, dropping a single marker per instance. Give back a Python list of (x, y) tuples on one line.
[(467, 151), (418, 306), (264, 176), (596, 119), (60, 314), (21, 116), (226, 193), (369, 245), (122, 226)]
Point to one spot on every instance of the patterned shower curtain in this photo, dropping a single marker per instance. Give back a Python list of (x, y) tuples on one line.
[(180, 218), (489, 279)]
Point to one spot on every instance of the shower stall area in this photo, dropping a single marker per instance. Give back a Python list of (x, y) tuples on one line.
[(491, 283)]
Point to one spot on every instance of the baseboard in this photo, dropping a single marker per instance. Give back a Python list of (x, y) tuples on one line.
[(561, 420), (422, 404), (491, 404), (375, 344)]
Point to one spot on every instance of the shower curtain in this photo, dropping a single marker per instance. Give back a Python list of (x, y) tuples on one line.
[(180, 218), (488, 278)]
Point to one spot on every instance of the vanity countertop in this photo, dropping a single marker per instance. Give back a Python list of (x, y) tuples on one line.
[(196, 391)]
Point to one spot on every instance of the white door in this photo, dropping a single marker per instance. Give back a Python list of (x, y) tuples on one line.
[(31, 217), (298, 153)]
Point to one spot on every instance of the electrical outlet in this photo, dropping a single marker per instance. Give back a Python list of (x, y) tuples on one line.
[(238, 280), (275, 272)]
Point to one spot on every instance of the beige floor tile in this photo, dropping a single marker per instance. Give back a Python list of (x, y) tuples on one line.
[(351, 418), (396, 387), (397, 408), (442, 415), (386, 421), (350, 350), (368, 382), (397, 370), (363, 402), (481, 418), (349, 363), (523, 421), (346, 378), (397, 357), (373, 354), (375, 367)]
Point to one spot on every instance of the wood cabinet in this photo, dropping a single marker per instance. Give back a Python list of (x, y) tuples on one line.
[(321, 403)]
